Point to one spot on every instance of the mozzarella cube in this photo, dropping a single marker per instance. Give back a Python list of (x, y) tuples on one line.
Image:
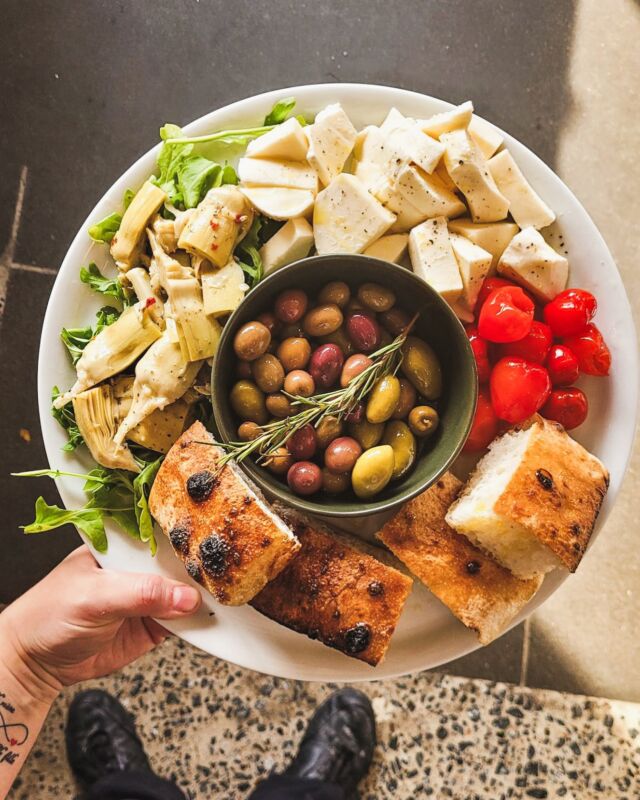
[(223, 289), (266, 172), (407, 217), (458, 117), (389, 248), (474, 264), (347, 218), (331, 140), (379, 159), (293, 241), (432, 258), (468, 169), (278, 202), (490, 236), (525, 206), (426, 193), (486, 136), (403, 135), (535, 265), (287, 141)]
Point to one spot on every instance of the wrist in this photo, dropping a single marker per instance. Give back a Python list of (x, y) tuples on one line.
[(21, 677)]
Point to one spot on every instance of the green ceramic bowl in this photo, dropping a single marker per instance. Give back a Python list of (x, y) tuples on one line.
[(437, 325)]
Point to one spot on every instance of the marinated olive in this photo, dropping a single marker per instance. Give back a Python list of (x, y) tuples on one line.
[(372, 471), (407, 401), (268, 319), (322, 320), (278, 405), (363, 331), (292, 331), (251, 341), (423, 421), (249, 431), (243, 369), (305, 478), (342, 454), (395, 320), (353, 366), (302, 444), (268, 373), (329, 428), (368, 434), (294, 353), (356, 414), (299, 382), (325, 365), (335, 484), (340, 338), (279, 462), (248, 402), (383, 399), (377, 298), (354, 306), (421, 366), (335, 292), (291, 305), (398, 436)]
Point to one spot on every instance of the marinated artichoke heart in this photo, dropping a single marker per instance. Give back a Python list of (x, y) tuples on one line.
[(96, 416), (223, 289), (162, 376), (140, 281), (220, 221), (198, 333), (126, 245)]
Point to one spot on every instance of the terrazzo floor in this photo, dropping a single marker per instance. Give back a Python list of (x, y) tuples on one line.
[(217, 730)]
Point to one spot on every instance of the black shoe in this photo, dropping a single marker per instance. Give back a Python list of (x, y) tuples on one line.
[(101, 738), (339, 741)]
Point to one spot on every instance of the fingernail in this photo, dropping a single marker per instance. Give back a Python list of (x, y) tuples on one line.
[(185, 598)]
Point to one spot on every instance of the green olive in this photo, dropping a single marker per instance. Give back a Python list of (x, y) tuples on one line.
[(403, 443), (376, 297), (372, 471), (367, 434), (383, 399), (407, 401), (423, 421), (334, 484), (248, 402), (329, 428), (268, 373), (421, 366)]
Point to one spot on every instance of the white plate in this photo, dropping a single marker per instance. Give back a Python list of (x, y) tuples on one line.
[(428, 634)]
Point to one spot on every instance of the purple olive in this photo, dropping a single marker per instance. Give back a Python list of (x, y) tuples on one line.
[(325, 365), (363, 331), (342, 454), (304, 478), (357, 415), (302, 444)]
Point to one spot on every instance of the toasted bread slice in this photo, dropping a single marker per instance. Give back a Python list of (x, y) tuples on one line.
[(533, 500), (479, 592), (228, 537), (330, 591)]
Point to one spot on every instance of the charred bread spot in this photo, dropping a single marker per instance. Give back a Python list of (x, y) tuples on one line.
[(265, 542), (200, 485), (545, 479), (336, 614), (179, 538), (193, 570), (357, 639), (236, 558), (473, 567), (214, 552), (375, 589), (575, 529)]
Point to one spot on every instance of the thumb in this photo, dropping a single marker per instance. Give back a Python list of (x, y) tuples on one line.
[(122, 594)]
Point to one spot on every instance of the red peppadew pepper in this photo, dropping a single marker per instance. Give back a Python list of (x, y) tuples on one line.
[(506, 316)]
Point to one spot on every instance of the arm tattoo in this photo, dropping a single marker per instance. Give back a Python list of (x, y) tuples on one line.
[(12, 732)]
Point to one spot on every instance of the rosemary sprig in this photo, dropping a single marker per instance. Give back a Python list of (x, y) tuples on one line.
[(337, 403)]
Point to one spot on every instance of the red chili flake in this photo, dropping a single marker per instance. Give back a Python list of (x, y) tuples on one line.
[(241, 217), (151, 301), (214, 224), (214, 246)]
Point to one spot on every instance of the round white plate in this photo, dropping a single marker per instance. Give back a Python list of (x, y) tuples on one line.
[(428, 634)]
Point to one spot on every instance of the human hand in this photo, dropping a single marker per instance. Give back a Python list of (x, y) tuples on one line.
[(82, 622)]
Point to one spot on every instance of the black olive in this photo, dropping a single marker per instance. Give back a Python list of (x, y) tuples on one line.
[(545, 479), (357, 638), (179, 538), (200, 485), (214, 552), (375, 588), (473, 567)]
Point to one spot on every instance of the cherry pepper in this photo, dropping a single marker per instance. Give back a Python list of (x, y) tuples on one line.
[(506, 316)]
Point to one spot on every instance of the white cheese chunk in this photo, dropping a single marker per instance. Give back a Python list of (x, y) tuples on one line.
[(458, 117), (389, 248), (432, 258), (379, 160), (525, 206), (223, 289), (468, 169), (535, 265), (293, 241), (485, 135), (491, 236), (287, 141), (403, 135), (267, 172), (474, 264), (441, 172), (278, 202), (331, 140), (426, 193), (347, 218)]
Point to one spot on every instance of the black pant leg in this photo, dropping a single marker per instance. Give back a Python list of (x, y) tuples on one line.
[(284, 787), (134, 786)]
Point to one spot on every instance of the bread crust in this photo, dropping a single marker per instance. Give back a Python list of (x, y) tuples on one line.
[(482, 594), (335, 593), (216, 525)]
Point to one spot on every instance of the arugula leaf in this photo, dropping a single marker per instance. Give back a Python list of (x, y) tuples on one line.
[(88, 520), (196, 175), (248, 254), (106, 229), (229, 175), (128, 196), (280, 111), (142, 484), (111, 287), (76, 339), (66, 417)]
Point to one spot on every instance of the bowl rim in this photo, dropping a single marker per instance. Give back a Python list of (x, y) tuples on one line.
[(281, 491)]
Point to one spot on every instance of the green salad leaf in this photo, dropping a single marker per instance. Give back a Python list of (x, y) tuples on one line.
[(280, 111), (66, 417), (142, 484), (111, 287), (106, 229), (76, 339), (88, 520), (248, 253)]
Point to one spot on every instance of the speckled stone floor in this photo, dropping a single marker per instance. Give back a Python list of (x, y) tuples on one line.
[(217, 730)]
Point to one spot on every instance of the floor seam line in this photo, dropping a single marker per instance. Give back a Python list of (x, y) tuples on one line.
[(8, 253)]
